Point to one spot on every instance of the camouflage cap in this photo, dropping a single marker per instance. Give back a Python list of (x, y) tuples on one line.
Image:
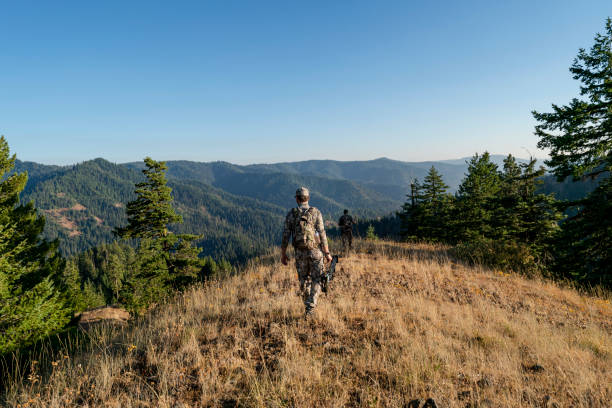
[(302, 192)]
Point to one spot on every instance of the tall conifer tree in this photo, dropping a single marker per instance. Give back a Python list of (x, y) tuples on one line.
[(32, 302), (522, 215), (410, 212), (435, 207), (579, 136), (428, 218), (475, 196), (165, 259)]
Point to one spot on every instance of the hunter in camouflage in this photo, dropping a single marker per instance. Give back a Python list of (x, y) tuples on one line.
[(346, 228), (305, 225)]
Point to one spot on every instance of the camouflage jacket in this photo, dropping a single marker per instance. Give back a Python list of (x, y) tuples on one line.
[(291, 220)]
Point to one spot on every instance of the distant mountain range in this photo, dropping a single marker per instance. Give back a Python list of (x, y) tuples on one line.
[(237, 209)]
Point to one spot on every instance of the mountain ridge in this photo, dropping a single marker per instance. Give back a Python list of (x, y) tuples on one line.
[(235, 193)]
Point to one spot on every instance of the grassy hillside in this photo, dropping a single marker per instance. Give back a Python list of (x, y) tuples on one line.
[(402, 322)]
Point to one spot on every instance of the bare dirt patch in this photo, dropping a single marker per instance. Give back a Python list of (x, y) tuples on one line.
[(58, 215)]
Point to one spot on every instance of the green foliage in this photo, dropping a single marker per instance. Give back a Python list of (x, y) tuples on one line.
[(370, 234), (522, 223), (502, 220), (215, 270), (476, 199), (496, 218), (116, 273), (503, 254), (83, 204), (32, 303), (427, 213), (584, 245), (578, 134), (387, 227), (523, 215), (165, 259), (151, 212), (239, 207), (98, 276), (580, 139), (277, 186)]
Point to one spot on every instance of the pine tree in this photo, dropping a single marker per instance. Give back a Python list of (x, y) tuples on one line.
[(33, 303), (524, 219), (426, 214), (433, 188), (165, 259), (410, 212), (435, 208), (151, 213), (371, 234), (474, 212), (584, 246), (579, 136)]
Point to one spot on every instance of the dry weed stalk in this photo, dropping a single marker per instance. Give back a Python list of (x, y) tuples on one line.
[(401, 322)]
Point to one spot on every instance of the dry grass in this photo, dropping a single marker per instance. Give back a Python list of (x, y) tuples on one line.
[(402, 322)]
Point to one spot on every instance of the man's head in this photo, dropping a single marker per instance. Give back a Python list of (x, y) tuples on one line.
[(302, 195), (345, 211)]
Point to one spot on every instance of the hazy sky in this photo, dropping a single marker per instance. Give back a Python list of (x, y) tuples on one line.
[(263, 81)]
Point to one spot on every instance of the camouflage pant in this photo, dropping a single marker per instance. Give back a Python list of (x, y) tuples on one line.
[(347, 239), (310, 268)]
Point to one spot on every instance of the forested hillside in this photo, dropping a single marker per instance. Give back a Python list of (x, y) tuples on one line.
[(237, 209), (277, 187), (365, 186), (85, 202)]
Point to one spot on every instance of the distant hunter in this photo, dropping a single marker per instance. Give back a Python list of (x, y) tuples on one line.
[(346, 229), (305, 224)]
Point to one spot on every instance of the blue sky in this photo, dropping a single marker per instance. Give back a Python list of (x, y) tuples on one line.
[(269, 81)]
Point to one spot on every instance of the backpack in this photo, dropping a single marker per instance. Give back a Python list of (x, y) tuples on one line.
[(304, 231), (346, 223)]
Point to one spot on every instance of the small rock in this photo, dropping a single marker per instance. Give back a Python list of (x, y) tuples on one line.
[(535, 368), (108, 314), (485, 403), (430, 403), (229, 403)]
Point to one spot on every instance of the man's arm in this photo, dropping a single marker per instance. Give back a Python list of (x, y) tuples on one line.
[(320, 228), (286, 237)]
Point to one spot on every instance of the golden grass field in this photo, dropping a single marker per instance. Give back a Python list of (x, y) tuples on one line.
[(402, 322)]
